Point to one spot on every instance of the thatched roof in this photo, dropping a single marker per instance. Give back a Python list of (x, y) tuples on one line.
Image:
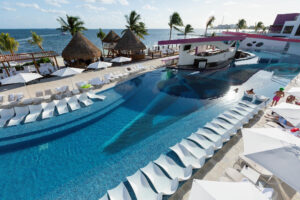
[(80, 48), (129, 42), (111, 37)]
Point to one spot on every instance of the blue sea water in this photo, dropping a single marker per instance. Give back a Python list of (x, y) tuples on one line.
[(55, 41), (82, 154)]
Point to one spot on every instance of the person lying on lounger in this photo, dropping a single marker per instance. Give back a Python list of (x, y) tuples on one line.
[(251, 91), (280, 120), (290, 99)]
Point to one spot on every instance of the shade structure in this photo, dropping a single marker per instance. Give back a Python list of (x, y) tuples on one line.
[(294, 91), (99, 65), (129, 42), (213, 190), (21, 78), (111, 37), (68, 71), (275, 150), (290, 112), (80, 48), (121, 59)]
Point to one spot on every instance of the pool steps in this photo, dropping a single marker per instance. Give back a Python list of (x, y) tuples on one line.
[(191, 152)]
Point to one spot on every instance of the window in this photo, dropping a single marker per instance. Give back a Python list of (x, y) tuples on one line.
[(288, 29), (298, 31), (259, 44), (187, 47), (249, 44)]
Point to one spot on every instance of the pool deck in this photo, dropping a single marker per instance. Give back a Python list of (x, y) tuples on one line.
[(226, 157), (54, 82)]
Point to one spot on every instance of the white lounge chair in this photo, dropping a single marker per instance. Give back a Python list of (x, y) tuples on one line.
[(242, 112), (75, 91), (207, 145), (141, 187), (83, 98), (250, 96), (105, 197), (193, 148), (256, 107), (174, 170), (211, 136), (160, 181), (253, 111), (218, 130), (241, 118), (61, 106), (225, 124), (21, 113), (48, 110), (93, 95), (6, 114), (96, 82), (186, 157), (35, 111), (73, 103), (119, 193), (80, 84)]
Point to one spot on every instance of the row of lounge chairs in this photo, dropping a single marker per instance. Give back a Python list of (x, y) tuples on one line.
[(14, 116), (165, 174)]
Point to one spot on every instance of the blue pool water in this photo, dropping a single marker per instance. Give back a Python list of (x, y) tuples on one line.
[(82, 154)]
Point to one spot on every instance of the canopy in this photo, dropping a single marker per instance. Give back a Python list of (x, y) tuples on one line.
[(121, 59), (212, 190), (21, 78), (99, 65), (294, 91), (290, 112), (275, 150), (68, 71)]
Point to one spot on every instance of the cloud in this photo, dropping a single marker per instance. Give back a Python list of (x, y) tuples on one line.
[(37, 7), (91, 7), (124, 2), (229, 3), (149, 7), (100, 1), (57, 3), (8, 9)]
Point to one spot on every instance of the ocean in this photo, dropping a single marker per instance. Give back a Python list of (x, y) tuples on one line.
[(55, 41)]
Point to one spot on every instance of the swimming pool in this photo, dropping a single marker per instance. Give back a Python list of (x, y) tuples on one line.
[(82, 154)]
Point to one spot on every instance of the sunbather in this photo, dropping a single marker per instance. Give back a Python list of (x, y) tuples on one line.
[(280, 120), (251, 91), (290, 99), (277, 97)]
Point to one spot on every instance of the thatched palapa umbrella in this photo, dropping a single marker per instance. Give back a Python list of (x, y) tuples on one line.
[(110, 42), (80, 51), (131, 44)]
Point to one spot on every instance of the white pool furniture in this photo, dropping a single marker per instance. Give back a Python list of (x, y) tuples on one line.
[(35, 111), (96, 82), (6, 114), (39, 93), (61, 106), (193, 148), (48, 110), (225, 124), (250, 96), (253, 111), (225, 134), (21, 113), (244, 103), (75, 91), (186, 157), (105, 197), (242, 118), (141, 187), (211, 136), (93, 95), (159, 180), (174, 170), (242, 112), (231, 119), (73, 103), (83, 98), (207, 145), (119, 193)]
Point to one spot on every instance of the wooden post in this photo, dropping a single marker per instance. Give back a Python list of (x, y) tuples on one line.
[(35, 64), (57, 67), (7, 72)]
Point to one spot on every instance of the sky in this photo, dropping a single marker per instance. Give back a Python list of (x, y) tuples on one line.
[(155, 13)]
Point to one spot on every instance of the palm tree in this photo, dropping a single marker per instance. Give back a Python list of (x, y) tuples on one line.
[(175, 21), (8, 43), (36, 40), (101, 35), (209, 23), (258, 26), (73, 25), (134, 24), (187, 29), (242, 24), (264, 29)]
